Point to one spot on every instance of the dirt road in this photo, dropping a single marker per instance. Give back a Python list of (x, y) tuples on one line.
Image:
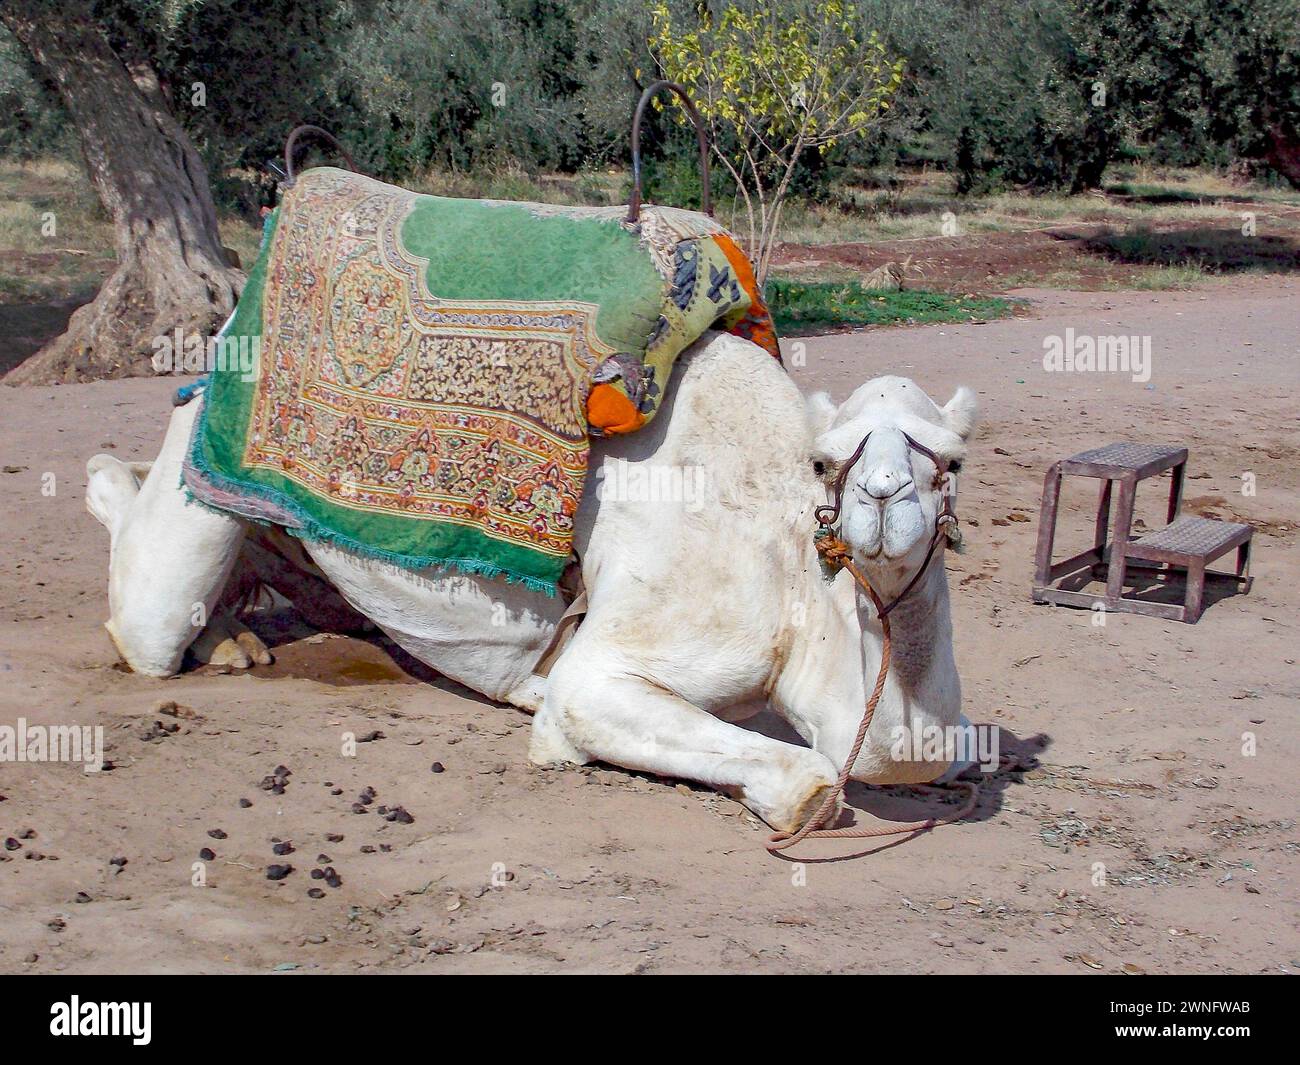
[(1144, 840)]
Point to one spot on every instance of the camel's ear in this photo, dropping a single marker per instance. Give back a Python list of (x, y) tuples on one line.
[(960, 412), (821, 411)]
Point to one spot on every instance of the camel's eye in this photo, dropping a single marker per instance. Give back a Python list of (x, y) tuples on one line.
[(954, 467), (825, 467)]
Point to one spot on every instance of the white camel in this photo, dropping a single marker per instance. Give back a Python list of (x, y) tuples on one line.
[(702, 610)]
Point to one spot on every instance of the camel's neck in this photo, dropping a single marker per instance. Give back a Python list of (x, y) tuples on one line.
[(835, 656), (920, 628)]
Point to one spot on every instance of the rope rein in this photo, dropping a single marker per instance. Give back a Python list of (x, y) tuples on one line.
[(836, 553)]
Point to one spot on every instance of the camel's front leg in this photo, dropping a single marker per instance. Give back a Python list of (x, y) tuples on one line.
[(591, 714), (170, 558)]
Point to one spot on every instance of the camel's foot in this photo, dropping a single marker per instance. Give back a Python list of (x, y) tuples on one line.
[(811, 805), (785, 800), (228, 642)]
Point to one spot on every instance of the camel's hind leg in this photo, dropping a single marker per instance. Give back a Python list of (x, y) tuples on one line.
[(170, 558)]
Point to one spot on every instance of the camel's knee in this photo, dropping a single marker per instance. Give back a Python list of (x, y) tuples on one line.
[(569, 704), (599, 701), (111, 487), (143, 646)]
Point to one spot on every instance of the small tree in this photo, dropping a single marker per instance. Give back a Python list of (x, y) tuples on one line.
[(774, 81)]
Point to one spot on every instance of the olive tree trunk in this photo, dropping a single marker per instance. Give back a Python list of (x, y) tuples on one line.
[(172, 270)]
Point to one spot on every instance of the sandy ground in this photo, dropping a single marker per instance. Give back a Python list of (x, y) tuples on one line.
[(1142, 840)]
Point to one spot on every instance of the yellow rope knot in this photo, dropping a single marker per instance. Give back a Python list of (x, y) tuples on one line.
[(834, 551)]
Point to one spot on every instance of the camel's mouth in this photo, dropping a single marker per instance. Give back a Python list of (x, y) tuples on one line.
[(889, 533)]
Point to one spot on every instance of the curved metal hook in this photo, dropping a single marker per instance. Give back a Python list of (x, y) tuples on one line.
[(706, 197), (315, 131)]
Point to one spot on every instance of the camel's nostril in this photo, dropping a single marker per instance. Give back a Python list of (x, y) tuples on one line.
[(884, 487)]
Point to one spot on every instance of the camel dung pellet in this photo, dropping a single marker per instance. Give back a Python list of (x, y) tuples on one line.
[(207, 854), (437, 767), (315, 893), (334, 837), (282, 849), (278, 872), (217, 833), (244, 804)]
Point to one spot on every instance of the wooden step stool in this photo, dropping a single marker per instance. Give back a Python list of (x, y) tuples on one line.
[(1187, 542)]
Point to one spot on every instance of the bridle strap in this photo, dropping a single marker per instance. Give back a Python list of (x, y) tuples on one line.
[(916, 577)]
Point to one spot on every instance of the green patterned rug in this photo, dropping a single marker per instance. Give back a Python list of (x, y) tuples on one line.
[(429, 370)]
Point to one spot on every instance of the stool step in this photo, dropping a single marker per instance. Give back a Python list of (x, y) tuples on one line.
[(1191, 537), (1113, 459)]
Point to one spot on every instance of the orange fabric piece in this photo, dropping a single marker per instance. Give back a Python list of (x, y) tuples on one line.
[(757, 323), (611, 411)]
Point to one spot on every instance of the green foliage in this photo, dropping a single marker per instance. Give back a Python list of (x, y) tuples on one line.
[(30, 117), (780, 73), (1002, 92), (997, 92), (775, 82)]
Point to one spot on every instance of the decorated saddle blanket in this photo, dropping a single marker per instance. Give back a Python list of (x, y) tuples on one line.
[(429, 371)]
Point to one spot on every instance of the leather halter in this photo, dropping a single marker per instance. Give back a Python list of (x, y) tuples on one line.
[(828, 515)]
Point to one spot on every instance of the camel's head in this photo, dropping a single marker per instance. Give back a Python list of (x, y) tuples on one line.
[(893, 492)]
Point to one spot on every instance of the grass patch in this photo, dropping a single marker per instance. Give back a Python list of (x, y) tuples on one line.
[(807, 306), (1163, 278)]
